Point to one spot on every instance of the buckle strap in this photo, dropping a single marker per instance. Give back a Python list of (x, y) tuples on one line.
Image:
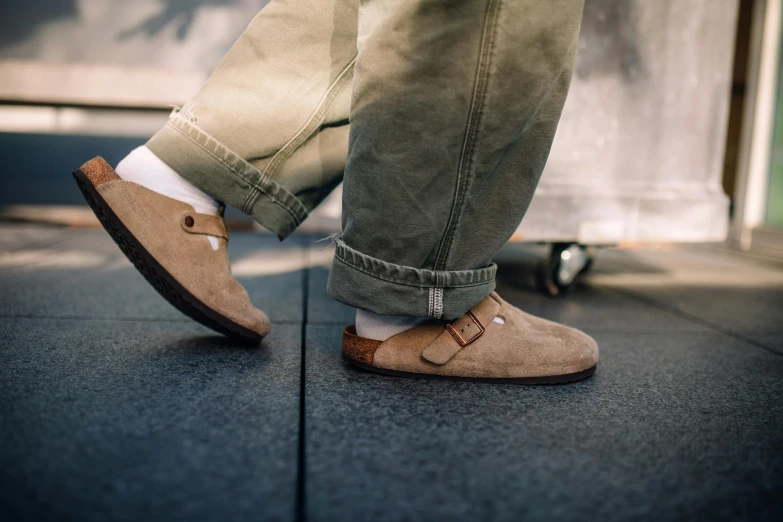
[(464, 331)]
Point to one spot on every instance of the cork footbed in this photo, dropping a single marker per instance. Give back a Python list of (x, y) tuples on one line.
[(359, 351), (358, 348), (88, 178)]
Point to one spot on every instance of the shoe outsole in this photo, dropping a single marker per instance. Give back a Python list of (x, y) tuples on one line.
[(157, 276), (550, 379)]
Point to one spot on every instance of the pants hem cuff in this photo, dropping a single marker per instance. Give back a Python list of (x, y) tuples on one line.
[(361, 281), (215, 169)]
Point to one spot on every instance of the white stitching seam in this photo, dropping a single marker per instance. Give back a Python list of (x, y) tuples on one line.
[(310, 126), (435, 308), (472, 129), (294, 212), (438, 303)]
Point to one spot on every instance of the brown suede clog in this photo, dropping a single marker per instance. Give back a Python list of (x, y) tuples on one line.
[(494, 342), (164, 238)]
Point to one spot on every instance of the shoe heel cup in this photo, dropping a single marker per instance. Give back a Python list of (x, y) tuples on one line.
[(98, 172), (359, 348)]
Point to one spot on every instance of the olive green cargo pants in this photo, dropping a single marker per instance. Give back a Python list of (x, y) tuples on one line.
[(438, 115)]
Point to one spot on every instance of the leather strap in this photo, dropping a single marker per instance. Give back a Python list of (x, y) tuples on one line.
[(462, 332), (194, 223)]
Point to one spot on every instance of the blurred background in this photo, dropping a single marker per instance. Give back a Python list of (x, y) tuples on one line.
[(672, 131)]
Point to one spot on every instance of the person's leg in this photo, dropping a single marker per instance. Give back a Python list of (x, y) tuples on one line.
[(455, 106), (454, 109), (267, 134)]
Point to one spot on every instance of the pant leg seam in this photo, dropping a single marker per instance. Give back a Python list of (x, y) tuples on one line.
[(298, 220), (254, 186), (303, 133), (311, 124), (250, 199), (435, 305), (244, 208), (472, 129)]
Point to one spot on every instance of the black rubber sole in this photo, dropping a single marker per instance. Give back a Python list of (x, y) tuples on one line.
[(554, 379), (160, 279)]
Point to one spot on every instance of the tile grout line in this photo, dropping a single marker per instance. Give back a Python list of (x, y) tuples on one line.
[(694, 319), (300, 511)]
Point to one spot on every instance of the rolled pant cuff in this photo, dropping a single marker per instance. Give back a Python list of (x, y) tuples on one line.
[(215, 169), (365, 282)]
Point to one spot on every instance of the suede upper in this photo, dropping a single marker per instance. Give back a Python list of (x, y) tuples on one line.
[(523, 346), (174, 234)]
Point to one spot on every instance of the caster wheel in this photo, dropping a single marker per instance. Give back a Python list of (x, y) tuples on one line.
[(558, 273)]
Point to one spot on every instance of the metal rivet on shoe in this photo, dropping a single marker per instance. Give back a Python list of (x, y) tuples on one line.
[(189, 221)]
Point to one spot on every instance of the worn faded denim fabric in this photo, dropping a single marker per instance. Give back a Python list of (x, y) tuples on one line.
[(452, 105)]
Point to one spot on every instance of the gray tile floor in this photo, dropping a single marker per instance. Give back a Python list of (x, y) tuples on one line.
[(115, 407)]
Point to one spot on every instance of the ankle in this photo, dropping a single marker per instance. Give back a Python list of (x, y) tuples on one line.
[(381, 327), (144, 168)]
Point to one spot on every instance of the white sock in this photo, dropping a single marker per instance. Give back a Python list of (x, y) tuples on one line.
[(143, 167), (381, 327)]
